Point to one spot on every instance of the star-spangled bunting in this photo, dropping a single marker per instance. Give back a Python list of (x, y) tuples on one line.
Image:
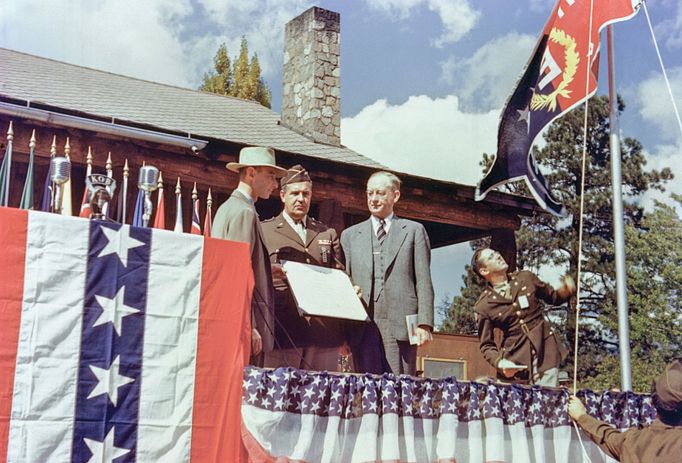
[(321, 394), (105, 452), (109, 380), (113, 310), (119, 242)]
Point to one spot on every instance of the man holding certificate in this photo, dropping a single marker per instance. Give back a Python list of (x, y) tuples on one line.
[(389, 257), (310, 343)]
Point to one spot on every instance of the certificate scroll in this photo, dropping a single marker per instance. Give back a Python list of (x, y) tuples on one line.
[(323, 292)]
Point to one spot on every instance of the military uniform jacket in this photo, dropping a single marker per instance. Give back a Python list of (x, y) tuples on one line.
[(321, 248), (521, 319), (236, 220), (658, 443)]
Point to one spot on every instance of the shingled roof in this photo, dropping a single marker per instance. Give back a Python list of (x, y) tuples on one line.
[(126, 99)]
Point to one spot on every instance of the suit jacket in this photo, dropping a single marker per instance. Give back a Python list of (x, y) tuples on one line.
[(320, 248), (236, 220), (407, 274), (521, 319), (658, 442)]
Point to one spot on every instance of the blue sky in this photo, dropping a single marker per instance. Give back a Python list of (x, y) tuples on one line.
[(423, 81)]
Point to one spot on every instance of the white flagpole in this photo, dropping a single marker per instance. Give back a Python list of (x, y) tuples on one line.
[(178, 208), (618, 226)]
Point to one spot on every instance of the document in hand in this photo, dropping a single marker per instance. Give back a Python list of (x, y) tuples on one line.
[(323, 292), (411, 321), (506, 364)]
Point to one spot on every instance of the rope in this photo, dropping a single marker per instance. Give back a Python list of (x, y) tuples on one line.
[(582, 203), (660, 60)]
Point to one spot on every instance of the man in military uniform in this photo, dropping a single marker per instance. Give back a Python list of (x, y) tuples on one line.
[(311, 343), (660, 442), (530, 352)]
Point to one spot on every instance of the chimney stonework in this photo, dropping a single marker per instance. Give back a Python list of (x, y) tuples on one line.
[(312, 74)]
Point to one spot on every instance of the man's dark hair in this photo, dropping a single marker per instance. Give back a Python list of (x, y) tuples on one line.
[(476, 263), (670, 415)]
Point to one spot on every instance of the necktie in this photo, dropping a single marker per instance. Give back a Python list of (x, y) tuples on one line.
[(381, 232), (300, 229)]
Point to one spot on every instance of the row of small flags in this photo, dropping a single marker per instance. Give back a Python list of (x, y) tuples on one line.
[(121, 213)]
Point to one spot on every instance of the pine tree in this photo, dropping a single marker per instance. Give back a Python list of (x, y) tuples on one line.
[(241, 79), (240, 85), (654, 271), (461, 318), (258, 89), (219, 80)]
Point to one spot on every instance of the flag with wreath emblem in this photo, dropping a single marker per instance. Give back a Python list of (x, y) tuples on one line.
[(561, 74)]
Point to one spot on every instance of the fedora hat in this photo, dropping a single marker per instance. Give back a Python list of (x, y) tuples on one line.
[(256, 156)]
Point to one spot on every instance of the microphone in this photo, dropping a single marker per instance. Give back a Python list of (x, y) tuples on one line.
[(147, 182), (148, 179), (61, 170), (61, 173)]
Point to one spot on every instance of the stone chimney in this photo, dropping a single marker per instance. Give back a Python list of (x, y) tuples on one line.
[(311, 95)]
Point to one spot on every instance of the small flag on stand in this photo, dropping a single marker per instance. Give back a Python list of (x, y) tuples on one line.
[(208, 219), (137, 214), (5, 170), (110, 173), (160, 218), (27, 194), (196, 226), (46, 200), (67, 208), (122, 206), (178, 208), (85, 202)]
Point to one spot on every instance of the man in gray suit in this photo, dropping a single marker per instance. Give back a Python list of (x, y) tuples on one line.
[(237, 220), (389, 259)]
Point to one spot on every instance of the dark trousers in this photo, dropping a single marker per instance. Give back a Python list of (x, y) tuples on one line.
[(368, 351)]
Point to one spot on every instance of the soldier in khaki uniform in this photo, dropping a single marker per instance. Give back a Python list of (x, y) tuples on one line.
[(660, 443), (530, 352), (310, 343)]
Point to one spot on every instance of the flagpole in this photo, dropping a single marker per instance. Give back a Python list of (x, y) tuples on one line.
[(618, 225)]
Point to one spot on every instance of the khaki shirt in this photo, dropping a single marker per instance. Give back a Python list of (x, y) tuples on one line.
[(658, 443)]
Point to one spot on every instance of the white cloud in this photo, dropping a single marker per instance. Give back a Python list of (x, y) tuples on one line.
[(485, 79), (541, 6), (424, 136), (655, 106), (661, 157), (262, 22), (115, 35), (458, 18), (670, 29), (169, 41)]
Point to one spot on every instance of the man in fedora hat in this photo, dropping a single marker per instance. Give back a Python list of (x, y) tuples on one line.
[(310, 343), (237, 220), (661, 442)]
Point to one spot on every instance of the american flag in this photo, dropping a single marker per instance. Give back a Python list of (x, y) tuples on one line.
[(196, 225), (114, 347), (321, 417)]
